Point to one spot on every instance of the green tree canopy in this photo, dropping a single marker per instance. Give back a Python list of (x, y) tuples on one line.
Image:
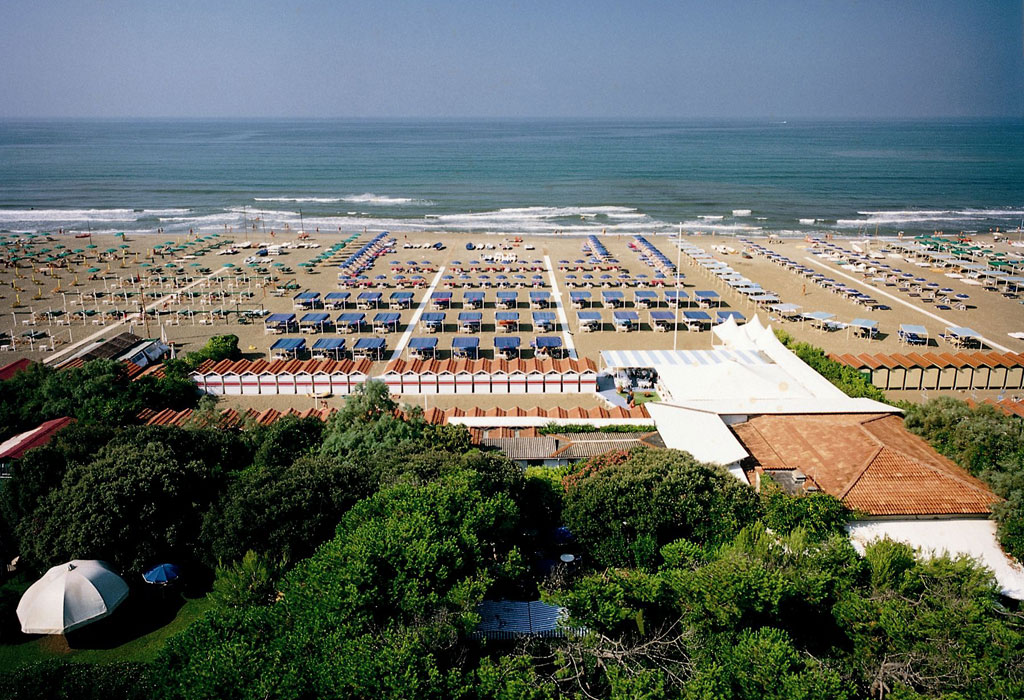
[(624, 513)]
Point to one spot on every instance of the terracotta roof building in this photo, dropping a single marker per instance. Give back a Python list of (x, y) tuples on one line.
[(868, 461)]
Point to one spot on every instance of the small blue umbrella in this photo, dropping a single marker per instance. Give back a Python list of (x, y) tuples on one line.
[(162, 574)]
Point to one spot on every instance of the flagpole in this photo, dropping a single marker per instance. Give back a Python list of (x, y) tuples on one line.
[(679, 252)]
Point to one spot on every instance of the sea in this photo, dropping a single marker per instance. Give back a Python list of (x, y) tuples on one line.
[(512, 176)]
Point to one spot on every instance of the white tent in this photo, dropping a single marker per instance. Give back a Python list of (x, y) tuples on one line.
[(70, 596)]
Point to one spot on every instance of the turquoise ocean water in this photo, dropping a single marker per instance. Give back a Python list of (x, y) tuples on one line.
[(527, 176)]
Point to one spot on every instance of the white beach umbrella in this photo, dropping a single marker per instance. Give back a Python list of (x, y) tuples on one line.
[(70, 596)]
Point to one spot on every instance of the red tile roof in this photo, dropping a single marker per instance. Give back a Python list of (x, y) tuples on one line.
[(285, 366), (9, 370), (869, 461), (931, 359), (18, 445)]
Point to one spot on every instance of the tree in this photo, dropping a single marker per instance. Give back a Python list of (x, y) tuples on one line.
[(626, 512), (141, 500), (988, 444), (284, 512), (819, 514), (410, 555)]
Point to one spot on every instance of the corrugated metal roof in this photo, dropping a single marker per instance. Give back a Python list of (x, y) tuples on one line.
[(508, 618)]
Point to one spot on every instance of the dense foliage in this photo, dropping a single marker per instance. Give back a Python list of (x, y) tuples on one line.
[(990, 445), (97, 393), (851, 381), (348, 560)]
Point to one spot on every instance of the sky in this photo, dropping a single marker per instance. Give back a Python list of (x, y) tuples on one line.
[(491, 58)]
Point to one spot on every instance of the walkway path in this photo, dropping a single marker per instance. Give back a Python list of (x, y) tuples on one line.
[(105, 330), (556, 294), (404, 340), (882, 292)]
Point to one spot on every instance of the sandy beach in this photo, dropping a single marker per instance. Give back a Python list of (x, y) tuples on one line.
[(66, 290)]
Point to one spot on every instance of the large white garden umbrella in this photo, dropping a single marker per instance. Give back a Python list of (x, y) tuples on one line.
[(70, 596)]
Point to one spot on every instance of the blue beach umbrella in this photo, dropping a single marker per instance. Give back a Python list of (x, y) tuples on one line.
[(162, 574)]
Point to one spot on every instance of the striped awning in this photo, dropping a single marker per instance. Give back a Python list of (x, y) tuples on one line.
[(616, 359)]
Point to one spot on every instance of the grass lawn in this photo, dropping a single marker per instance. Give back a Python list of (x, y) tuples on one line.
[(132, 633), (641, 397)]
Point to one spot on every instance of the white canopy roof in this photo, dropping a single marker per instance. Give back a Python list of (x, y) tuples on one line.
[(702, 434), (70, 596)]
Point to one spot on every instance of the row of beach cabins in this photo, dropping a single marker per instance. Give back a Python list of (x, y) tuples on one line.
[(940, 371), (330, 377)]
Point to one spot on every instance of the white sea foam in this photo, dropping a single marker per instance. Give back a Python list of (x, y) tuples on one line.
[(741, 212), (807, 222), (700, 225), (919, 216), (370, 198), (69, 216), (710, 217), (299, 200)]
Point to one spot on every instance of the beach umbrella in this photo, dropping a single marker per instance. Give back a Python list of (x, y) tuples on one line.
[(162, 574), (70, 596)]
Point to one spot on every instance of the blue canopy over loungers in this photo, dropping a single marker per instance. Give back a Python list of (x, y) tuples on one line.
[(466, 347)]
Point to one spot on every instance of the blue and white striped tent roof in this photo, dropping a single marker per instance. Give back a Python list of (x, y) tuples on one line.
[(615, 359)]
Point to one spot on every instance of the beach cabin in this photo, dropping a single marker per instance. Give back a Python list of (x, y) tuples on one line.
[(432, 321), (625, 321), (612, 299), (706, 298), (386, 322), (439, 301), (464, 378), (306, 300), (370, 349), (470, 321), (423, 348), (507, 347), (498, 379), (368, 300), (517, 381), (580, 300), (696, 320), (590, 321), (540, 300), (466, 348), (507, 300), (663, 321), (249, 383), (315, 322), (547, 346), (279, 323), (349, 322), (543, 321), (400, 300), (645, 299), (332, 348), (337, 300), (677, 298), (473, 300), (287, 348)]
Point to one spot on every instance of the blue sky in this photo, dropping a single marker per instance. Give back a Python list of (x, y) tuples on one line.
[(830, 58)]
